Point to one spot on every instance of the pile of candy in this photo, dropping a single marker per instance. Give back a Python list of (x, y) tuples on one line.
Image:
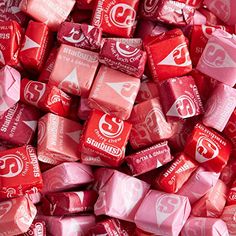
[(118, 117)]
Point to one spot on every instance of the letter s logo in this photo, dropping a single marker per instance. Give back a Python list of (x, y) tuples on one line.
[(34, 91), (150, 6), (122, 15), (75, 36), (10, 166), (110, 127), (125, 50)]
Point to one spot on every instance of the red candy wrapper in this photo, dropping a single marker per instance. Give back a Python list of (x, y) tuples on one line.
[(48, 66), (46, 97), (9, 88), (172, 178), (149, 158), (116, 17), (84, 109), (149, 124), (19, 119), (228, 174), (172, 58), (74, 70), (66, 176), (19, 172), (122, 57), (213, 203), (182, 99), (208, 148), (58, 139), (231, 200), (35, 46), (106, 136), (10, 42), (50, 12), (133, 42), (16, 216), (38, 228), (114, 92), (60, 204), (80, 35)]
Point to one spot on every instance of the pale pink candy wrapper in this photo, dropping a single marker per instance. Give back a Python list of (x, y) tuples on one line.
[(199, 226), (68, 226), (162, 214), (9, 88), (224, 9), (219, 107), (66, 176), (218, 59), (199, 184), (228, 217), (133, 42), (120, 196)]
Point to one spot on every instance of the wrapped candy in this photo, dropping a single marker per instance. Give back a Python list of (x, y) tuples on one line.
[(199, 184), (120, 196), (172, 58), (58, 139), (19, 172), (84, 109), (116, 18), (213, 203), (114, 92), (37, 228), (9, 88), (182, 100), (74, 70), (218, 59), (105, 136), (46, 97), (231, 200), (35, 46), (149, 124), (219, 107), (68, 225), (228, 216), (123, 57), (80, 35), (10, 42), (50, 12), (176, 174), (66, 176), (200, 226), (20, 118), (67, 203), (162, 214), (208, 148), (132, 42), (149, 158), (16, 216), (228, 174)]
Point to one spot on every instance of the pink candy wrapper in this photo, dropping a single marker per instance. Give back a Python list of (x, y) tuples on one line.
[(58, 139), (9, 88), (218, 59), (66, 176), (74, 70), (199, 226), (114, 92), (16, 216), (199, 184), (163, 214), (219, 107), (228, 217), (38, 228), (120, 196), (84, 109)]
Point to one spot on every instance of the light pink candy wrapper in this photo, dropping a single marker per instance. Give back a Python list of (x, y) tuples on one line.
[(228, 217), (66, 176), (68, 226), (199, 184), (9, 88), (220, 107), (162, 214), (199, 226), (120, 195), (218, 59)]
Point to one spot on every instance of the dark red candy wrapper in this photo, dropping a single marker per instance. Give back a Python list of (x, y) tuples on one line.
[(208, 148), (10, 42), (80, 35), (19, 119), (38, 228), (231, 200), (116, 17), (35, 46), (46, 97)]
